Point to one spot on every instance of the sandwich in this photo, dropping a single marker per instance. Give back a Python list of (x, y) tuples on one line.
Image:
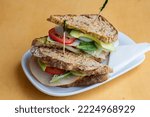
[(73, 53)]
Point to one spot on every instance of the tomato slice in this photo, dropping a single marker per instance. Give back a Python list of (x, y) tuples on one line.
[(53, 35), (53, 70)]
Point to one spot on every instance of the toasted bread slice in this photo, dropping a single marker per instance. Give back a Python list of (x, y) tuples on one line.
[(89, 24), (73, 81)]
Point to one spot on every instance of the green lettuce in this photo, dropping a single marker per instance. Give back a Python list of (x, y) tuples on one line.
[(87, 46), (41, 64), (56, 78)]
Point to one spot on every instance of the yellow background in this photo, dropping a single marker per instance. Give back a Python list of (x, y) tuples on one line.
[(23, 20)]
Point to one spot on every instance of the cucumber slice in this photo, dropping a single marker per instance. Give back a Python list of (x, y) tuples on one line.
[(108, 46), (75, 33)]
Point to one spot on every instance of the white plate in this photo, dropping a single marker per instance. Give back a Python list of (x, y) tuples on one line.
[(57, 91)]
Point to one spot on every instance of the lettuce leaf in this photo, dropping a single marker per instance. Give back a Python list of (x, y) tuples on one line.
[(41, 64), (87, 46), (56, 78)]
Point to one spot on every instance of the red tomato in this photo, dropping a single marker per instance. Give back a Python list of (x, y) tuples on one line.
[(53, 70), (53, 35)]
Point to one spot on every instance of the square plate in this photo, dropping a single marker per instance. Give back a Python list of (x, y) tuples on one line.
[(57, 91)]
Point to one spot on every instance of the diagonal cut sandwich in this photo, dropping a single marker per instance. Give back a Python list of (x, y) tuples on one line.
[(73, 52)]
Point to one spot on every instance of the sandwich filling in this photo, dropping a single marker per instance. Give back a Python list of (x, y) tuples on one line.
[(77, 42), (58, 74)]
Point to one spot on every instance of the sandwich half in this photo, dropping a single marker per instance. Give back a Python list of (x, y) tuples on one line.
[(86, 34), (67, 69), (72, 53)]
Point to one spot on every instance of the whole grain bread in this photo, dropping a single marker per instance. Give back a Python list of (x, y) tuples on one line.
[(87, 80), (55, 57), (92, 24)]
